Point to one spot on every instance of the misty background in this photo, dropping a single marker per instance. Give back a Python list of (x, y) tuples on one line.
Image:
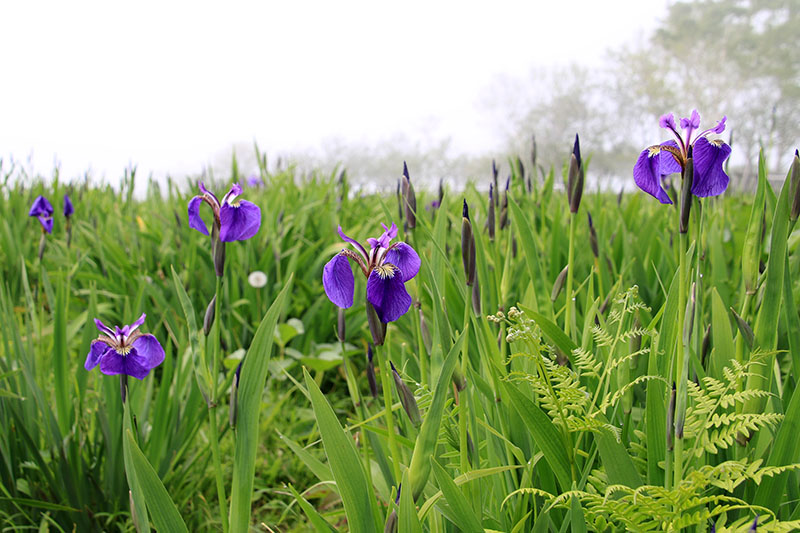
[(176, 88)]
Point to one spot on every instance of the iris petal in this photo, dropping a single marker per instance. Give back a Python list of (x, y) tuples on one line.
[(96, 352), (103, 328), (387, 293), (404, 257), (46, 222), (131, 364), (149, 351), (709, 177), (195, 221), (338, 281), (40, 206), (647, 175), (239, 223), (354, 242)]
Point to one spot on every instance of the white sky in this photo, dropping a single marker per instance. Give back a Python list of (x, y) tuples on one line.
[(171, 85)]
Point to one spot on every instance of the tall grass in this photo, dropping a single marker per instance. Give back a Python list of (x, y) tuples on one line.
[(527, 423)]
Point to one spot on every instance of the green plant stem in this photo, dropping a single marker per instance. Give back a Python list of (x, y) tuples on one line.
[(570, 276), (462, 396), (212, 409), (386, 383), (681, 374)]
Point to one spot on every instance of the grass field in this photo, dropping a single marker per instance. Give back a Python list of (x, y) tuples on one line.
[(650, 386)]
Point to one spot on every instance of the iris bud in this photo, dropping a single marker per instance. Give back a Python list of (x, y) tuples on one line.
[(409, 199), (794, 213), (467, 246), (406, 398), (490, 213), (559, 284), (208, 320), (575, 178), (373, 383)]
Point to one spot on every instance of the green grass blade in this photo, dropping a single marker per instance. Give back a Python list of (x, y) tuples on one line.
[(348, 471), (251, 386), (462, 513)]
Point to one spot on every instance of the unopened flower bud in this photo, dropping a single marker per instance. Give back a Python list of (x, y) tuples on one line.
[(409, 199), (593, 237), (233, 401), (559, 284), (504, 206), (467, 246), (575, 178), (376, 327), (794, 213), (208, 320), (744, 329), (490, 213), (406, 398), (476, 297)]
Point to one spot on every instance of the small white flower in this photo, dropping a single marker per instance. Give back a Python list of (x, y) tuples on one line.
[(257, 279)]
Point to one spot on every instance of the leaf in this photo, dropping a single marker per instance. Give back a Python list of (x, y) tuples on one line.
[(165, 515), (462, 514), (347, 469), (251, 387)]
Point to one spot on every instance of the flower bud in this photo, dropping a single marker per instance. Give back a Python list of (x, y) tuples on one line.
[(534, 151), (744, 329), (373, 383), (233, 401), (593, 237), (208, 319), (686, 193), (575, 178), (376, 327), (504, 206), (559, 284), (490, 213), (794, 213), (409, 199), (467, 246), (495, 172), (400, 209), (705, 346), (406, 398)]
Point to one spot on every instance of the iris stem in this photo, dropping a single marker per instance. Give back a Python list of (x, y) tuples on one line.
[(681, 368), (568, 318), (463, 396), (386, 383), (212, 409)]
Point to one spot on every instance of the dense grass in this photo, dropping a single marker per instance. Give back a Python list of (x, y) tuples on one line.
[(557, 424)]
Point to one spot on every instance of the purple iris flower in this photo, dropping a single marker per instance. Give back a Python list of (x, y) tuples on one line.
[(235, 220), (387, 267), (254, 181), (68, 209), (660, 160), (124, 350), (43, 210)]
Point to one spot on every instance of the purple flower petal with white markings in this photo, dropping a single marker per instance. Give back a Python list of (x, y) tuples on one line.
[(338, 281), (647, 174), (124, 350), (131, 364), (386, 291), (709, 176), (239, 222), (149, 351), (404, 257), (97, 350)]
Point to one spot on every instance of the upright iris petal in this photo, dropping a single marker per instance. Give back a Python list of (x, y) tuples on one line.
[(68, 209), (709, 177)]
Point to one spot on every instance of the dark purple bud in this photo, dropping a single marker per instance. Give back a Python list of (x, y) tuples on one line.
[(373, 383), (705, 346), (208, 319), (575, 178), (409, 199), (68, 209), (467, 246), (504, 206), (593, 237), (441, 192), (520, 169), (559, 284), (406, 398), (490, 213), (671, 419), (494, 181), (744, 329), (794, 213), (755, 524), (400, 199), (686, 192), (534, 151), (376, 327)]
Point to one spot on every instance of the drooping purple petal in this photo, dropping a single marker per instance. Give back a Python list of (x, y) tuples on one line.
[(709, 177), (96, 352), (404, 257), (103, 328), (195, 221), (354, 242), (338, 281), (386, 291), (114, 363), (149, 351), (46, 222), (239, 223), (40, 206), (647, 173)]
